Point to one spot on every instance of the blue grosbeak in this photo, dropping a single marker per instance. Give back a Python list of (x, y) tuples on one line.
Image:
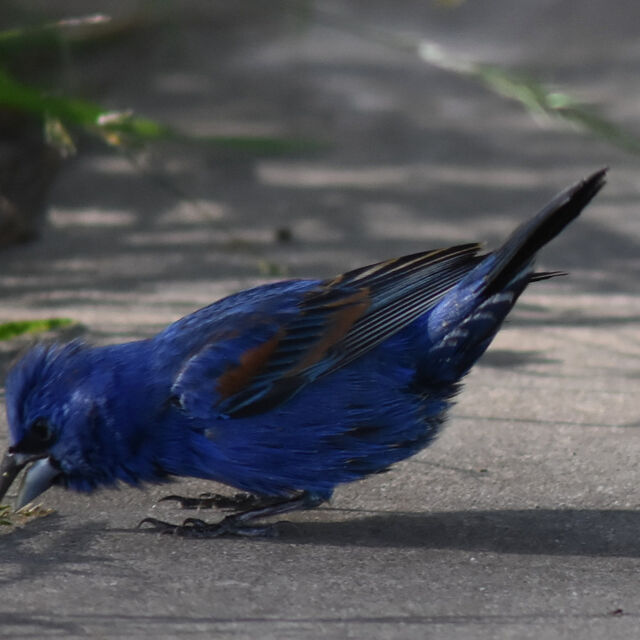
[(283, 391)]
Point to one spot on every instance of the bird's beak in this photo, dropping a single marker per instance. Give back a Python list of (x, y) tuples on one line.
[(9, 469), (39, 476)]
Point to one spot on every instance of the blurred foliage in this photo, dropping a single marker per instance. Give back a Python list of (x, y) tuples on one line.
[(35, 47), (9, 518), (532, 95), (24, 51), (120, 128), (10, 330)]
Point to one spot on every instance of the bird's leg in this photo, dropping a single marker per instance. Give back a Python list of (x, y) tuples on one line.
[(238, 524), (236, 502)]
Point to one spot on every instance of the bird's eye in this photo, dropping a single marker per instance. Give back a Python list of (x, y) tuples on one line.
[(41, 431), (38, 438)]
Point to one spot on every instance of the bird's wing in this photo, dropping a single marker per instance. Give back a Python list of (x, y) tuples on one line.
[(334, 323)]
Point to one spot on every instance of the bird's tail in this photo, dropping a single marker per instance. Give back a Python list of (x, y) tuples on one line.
[(522, 245), (463, 324)]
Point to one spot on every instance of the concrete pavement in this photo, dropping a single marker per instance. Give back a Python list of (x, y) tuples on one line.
[(521, 521)]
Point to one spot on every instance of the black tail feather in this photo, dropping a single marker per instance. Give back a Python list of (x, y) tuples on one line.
[(528, 238), (536, 276)]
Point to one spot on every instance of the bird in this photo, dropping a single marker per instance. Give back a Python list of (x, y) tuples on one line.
[(283, 391)]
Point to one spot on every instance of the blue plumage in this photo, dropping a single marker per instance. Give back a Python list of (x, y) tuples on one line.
[(283, 391)]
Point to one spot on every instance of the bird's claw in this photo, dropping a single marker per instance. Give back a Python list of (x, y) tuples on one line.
[(239, 524), (197, 528)]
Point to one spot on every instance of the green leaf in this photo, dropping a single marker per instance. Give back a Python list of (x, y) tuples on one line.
[(10, 330), (51, 32), (21, 517), (49, 41), (533, 96), (118, 128), (57, 136), (4, 515)]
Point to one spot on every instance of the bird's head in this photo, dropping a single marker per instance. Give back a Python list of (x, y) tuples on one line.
[(52, 417)]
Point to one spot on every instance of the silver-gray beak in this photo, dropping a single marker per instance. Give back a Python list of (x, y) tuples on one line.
[(39, 477), (9, 469)]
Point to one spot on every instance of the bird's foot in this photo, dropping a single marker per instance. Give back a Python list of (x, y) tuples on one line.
[(236, 502), (196, 528), (240, 523)]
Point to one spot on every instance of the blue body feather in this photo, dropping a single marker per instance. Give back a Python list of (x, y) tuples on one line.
[(290, 387)]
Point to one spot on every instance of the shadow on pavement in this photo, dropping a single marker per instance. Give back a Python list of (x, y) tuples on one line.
[(62, 545), (531, 531)]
